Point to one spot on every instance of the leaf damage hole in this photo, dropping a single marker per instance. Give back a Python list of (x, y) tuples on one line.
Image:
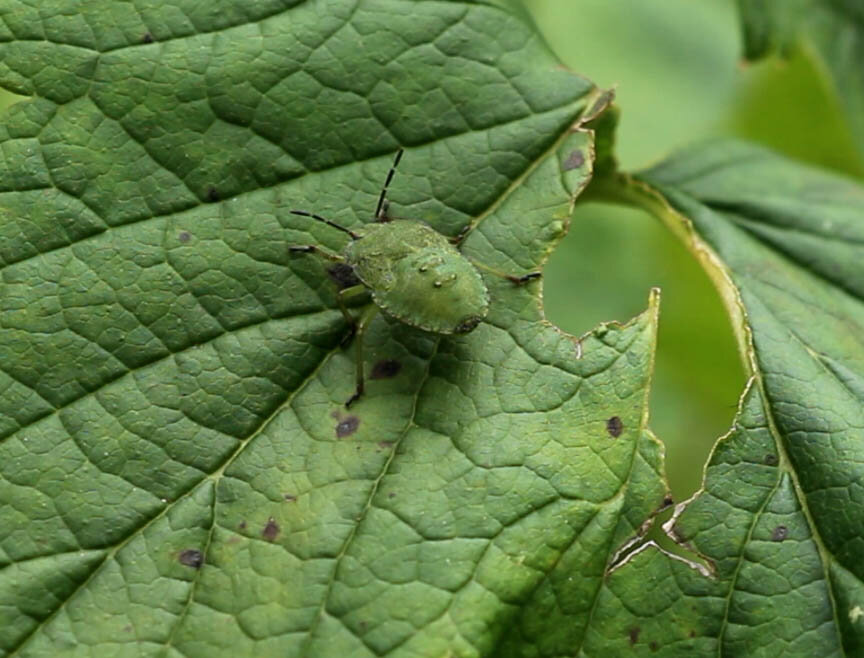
[(212, 195), (574, 160), (386, 369), (347, 426), (184, 236), (615, 427), (191, 557), (779, 533), (147, 38), (271, 530)]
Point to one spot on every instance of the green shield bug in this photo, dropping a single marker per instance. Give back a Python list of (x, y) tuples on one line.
[(414, 274)]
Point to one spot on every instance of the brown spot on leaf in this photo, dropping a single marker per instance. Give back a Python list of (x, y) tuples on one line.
[(242, 525), (574, 161), (653, 646), (347, 426), (771, 460), (385, 445), (667, 501), (391, 495), (212, 195), (385, 369), (634, 635), (271, 530), (191, 557), (614, 426), (184, 236), (290, 497), (779, 533), (147, 38)]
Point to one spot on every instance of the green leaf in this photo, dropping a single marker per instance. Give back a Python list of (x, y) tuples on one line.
[(178, 473), (832, 29), (779, 520)]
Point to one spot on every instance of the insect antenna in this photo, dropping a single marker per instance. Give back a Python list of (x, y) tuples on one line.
[(381, 210), (303, 213)]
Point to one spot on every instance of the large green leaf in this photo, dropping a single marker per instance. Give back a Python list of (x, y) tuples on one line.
[(178, 473), (779, 520), (832, 29)]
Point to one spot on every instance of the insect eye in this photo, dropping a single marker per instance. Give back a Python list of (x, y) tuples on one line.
[(467, 324)]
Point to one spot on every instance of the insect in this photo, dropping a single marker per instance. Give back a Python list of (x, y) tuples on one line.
[(413, 273)]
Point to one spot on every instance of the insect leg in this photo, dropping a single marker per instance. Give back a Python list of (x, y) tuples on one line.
[(343, 296), (362, 324), (517, 280), (457, 239), (314, 249)]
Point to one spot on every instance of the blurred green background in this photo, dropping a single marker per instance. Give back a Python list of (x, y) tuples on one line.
[(676, 65)]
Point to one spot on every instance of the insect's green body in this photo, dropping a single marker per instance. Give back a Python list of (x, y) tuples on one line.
[(414, 274), (418, 277)]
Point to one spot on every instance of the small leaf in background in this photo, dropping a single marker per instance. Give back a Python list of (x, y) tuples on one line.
[(780, 518), (832, 29)]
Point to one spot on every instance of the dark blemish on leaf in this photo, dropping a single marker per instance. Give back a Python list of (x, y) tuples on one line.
[(779, 533), (147, 38), (574, 161), (343, 275), (614, 426), (271, 530), (212, 195), (385, 369), (363, 625), (385, 445), (127, 628), (653, 646), (634, 635), (191, 557), (692, 633), (184, 236), (242, 525), (347, 426), (668, 500), (289, 497), (771, 460), (391, 495)]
